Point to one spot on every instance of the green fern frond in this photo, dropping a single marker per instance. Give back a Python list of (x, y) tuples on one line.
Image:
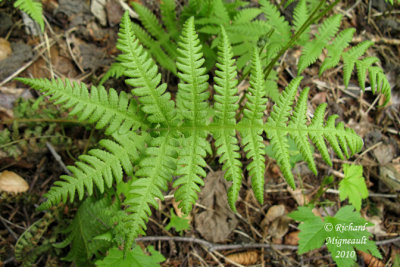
[(93, 218), (168, 15), (246, 15), (225, 111), (340, 138), (379, 82), (378, 79), (155, 170), (192, 88), (144, 76), (251, 135), (299, 121), (116, 70), (300, 16), (281, 34), (276, 128), (192, 104), (191, 169), (350, 57), (154, 48), (152, 25), (107, 109), (32, 8), (313, 49), (335, 49), (362, 67), (100, 167)]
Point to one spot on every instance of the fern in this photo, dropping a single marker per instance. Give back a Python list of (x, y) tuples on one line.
[(32, 8), (191, 103), (152, 138), (225, 112), (161, 40), (116, 70), (313, 49), (92, 219)]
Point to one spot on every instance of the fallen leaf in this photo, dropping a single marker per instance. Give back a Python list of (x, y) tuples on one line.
[(97, 9), (217, 221), (244, 258), (273, 213), (11, 182), (376, 229), (5, 48), (279, 227), (384, 153), (297, 194), (292, 238), (389, 174)]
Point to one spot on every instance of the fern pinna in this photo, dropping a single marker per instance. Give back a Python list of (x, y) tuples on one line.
[(153, 138)]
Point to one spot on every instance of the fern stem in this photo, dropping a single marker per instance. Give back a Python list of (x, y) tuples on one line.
[(306, 24)]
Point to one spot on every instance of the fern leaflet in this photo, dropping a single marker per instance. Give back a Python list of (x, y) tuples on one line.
[(225, 111), (32, 8), (191, 103), (252, 140), (313, 49)]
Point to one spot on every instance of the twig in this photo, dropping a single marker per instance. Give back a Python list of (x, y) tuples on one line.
[(9, 229), (211, 246), (388, 241), (57, 158), (215, 247), (333, 191)]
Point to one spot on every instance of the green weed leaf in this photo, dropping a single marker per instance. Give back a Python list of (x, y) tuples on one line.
[(343, 233), (134, 258), (353, 185)]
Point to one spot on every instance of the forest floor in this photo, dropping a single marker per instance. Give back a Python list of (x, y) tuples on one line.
[(78, 45)]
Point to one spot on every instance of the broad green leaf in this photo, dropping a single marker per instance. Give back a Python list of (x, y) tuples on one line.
[(134, 258), (353, 185), (343, 233), (179, 223)]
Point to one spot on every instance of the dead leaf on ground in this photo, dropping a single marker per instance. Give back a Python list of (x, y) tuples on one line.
[(217, 221), (297, 195), (114, 12), (11, 182), (389, 174), (5, 49), (244, 258), (21, 54), (97, 9), (273, 213), (276, 223), (384, 153), (292, 238), (376, 229), (278, 228)]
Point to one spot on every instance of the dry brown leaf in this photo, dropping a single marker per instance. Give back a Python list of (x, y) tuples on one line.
[(297, 194), (5, 48), (11, 182), (217, 221), (292, 238), (390, 175), (370, 260), (376, 229), (278, 228), (244, 258), (384, 153), (274, 212)]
